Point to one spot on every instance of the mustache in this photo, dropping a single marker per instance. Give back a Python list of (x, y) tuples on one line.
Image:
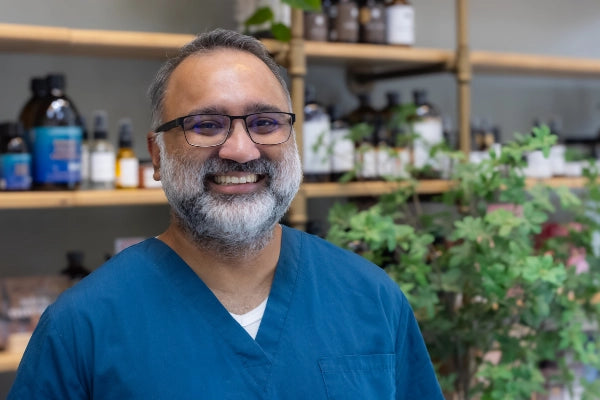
[(260, 166)]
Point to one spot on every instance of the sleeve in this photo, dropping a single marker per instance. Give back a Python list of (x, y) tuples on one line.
[(47, 370), (415, 376)]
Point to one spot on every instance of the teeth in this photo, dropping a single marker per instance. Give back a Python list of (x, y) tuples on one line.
[(233, 180)]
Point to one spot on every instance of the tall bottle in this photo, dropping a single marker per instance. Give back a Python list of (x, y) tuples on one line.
[(127, 167), (428, 128), (372, 22), (366, 146), (316, 25), (394, 147), (39, 91), (56, 138), (400, 23), (342, 146), (15, 159), (102, 154), (316, 139), (345, 21)]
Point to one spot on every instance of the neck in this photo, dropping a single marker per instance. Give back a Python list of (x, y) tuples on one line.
[(241, 280)]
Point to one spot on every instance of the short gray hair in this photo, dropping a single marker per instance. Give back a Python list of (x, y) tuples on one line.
[(204, 43)]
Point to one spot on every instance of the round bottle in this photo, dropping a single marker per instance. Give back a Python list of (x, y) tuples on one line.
[(372, 22), (39, 91), (56, 138), (400, 23), (127, 168), (15, 160), (102, 155)]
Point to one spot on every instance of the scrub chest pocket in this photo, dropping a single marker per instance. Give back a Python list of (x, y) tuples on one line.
[(359, 376)]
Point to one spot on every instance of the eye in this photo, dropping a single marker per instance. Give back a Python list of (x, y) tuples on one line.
[(264, 123), (207, 125)]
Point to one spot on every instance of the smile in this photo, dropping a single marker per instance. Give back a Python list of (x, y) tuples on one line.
[(235, 180)]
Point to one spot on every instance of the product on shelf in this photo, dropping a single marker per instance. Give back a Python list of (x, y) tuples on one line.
[(102, 154), (400, 23), (15, 159), (342, 146), (367, 118), (394, 151), (345, 27), (127, 166), (75, 270), (372, 22), (427, 125), (316, 139), (316, 25), (56, 139), (39, 91), (146, 175)]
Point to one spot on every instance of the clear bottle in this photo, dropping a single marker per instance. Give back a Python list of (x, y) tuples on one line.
[(346, 21), (428, 127), (56, 139), (85, 155), (127, 166), (342, 146), (394, 146), (366, 146), (400, 23), (102, 154), (316, 139), (15, 159), (372, 22)]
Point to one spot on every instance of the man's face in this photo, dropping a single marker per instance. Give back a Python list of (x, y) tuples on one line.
[(227, 197)]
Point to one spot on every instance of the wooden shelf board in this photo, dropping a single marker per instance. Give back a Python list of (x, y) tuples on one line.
[(92, 42), (374, 55), (9, 361), (515, 63), (369, 188), (81, 198)]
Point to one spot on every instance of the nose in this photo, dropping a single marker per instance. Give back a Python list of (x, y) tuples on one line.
[(238, 146)]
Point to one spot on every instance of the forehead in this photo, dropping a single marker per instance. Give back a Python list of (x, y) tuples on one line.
[(225, 80)]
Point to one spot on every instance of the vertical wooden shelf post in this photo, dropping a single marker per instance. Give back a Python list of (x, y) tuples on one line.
[(297, 71), (463, 75)]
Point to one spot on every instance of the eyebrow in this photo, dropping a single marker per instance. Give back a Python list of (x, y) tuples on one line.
[(249, 109)]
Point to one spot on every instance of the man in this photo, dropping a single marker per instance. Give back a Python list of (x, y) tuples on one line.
[(227, 303)]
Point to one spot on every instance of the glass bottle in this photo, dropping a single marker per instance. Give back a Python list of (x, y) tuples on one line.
[(346, 21), (39, 90), (428, 128), (316, 25), (394, 146), (56, 139), (316, 140), (15, 159), (342, 146), (372, 22), (102, 154), (127, 167), (400, 23), (366, 146)]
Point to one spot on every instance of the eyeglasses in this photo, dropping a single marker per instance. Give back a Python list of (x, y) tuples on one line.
[(209, 130)]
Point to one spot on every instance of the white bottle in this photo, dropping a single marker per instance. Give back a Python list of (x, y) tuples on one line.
[(400, 23), (316, 142), (102, 155)]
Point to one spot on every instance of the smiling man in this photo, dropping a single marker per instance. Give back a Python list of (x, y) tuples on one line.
[(227, 303)]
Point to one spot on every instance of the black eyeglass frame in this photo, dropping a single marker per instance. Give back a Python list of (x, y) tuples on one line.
[(178, 122)]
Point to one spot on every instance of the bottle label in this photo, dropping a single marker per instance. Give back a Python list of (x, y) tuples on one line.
[(102, 166), (400, 25), (57, 154), (128, 172), (393, 161), (15, 171), (430, 133), (316, 141), (342, 157), (368, 162)]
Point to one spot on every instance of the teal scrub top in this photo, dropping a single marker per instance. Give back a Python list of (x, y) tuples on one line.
[(145, 326)]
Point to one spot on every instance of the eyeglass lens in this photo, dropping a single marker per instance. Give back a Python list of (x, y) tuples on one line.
[(210, 130)]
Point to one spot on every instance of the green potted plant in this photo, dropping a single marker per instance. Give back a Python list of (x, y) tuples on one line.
[(504, 302), (265, 16)]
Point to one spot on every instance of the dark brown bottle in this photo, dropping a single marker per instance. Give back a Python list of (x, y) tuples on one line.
[(39, 91), (372, 22), (345, 27), (316, 25)]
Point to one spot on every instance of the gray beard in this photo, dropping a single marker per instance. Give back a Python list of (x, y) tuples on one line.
[(231, 226)]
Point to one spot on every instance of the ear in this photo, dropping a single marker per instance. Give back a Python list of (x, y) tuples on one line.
[(154, 151)]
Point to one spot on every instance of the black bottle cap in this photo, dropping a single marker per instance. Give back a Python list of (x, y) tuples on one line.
[(419, 96), (11, 130), (38, 86), (100, 124), (55, 81), (125, 133), (393, 98)]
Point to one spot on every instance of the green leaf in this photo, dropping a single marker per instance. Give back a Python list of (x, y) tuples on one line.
[(260, 16), (281, 32), (306, 5)]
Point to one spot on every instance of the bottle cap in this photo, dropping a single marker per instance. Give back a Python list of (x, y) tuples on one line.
[(11, 130), (55, 81), (125, 132), (100, 124), (38, 86)]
